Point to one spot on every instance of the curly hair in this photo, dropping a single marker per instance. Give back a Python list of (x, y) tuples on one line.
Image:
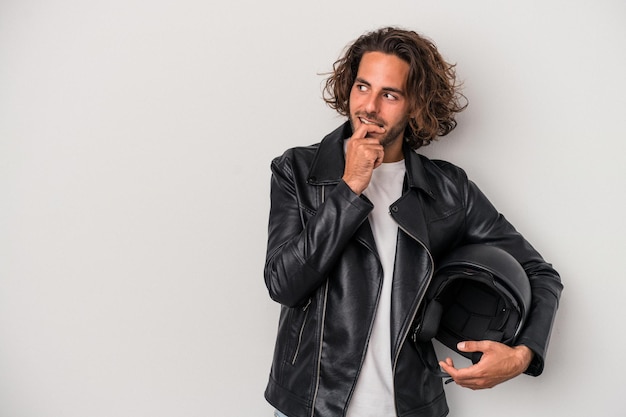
[(432, 89)]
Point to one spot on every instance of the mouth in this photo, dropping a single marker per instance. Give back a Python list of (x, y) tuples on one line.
[(370, 122)]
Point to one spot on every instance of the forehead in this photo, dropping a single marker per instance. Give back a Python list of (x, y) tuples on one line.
[(383, 70)]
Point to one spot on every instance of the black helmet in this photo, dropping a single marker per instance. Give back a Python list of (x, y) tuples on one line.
[(478, 292)]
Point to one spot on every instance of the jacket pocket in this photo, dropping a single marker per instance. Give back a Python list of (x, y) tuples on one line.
[(299, 325)]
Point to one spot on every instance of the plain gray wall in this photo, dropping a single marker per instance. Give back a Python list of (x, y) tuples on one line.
[(135, 143)]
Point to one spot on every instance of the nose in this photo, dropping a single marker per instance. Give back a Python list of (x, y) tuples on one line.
[(372, 104)]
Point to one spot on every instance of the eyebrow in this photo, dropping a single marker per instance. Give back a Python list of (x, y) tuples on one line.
[(389, 89)]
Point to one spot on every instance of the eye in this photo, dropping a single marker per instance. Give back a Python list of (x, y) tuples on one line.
[(360, 87), (390, 96)]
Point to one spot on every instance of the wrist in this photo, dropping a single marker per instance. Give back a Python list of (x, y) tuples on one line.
[(525, 355), (353, 185)]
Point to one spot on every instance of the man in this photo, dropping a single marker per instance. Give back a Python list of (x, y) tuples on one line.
[(357, 224)]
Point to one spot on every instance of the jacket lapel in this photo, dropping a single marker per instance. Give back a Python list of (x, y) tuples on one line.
[(329, 161), (413, 267), (413, 262)]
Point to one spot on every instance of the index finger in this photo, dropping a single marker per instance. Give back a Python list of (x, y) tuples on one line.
[(360, 132), (364, 129)]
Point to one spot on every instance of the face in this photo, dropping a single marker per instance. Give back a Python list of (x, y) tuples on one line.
[(378, 96)]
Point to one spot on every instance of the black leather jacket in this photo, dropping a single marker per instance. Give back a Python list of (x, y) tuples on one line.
[(323, 267)]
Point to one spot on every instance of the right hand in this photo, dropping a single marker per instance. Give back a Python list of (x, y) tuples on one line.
[(363, 155)]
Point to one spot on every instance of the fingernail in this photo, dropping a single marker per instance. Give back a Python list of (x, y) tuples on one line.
[(460, 345)]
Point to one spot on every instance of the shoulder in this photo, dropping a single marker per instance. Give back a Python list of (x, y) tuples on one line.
[(297, 153), (440, 170), (298, 158), (327, 153)]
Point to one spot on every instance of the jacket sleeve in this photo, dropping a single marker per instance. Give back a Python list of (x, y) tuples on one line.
[(305, 242), (484, 224)]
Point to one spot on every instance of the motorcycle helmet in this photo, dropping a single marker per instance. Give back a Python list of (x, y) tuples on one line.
[(478, 292)]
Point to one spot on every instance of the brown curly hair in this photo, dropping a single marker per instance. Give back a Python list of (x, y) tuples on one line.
[(432, 87)]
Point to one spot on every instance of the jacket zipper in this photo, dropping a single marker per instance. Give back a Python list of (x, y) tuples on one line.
[(430, 277), (321, 341), (319, 356), (306, 314)]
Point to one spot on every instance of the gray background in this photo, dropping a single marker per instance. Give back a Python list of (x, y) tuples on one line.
[(135, 142)]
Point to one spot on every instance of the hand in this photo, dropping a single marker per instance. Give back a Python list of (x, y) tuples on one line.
[(498, 363), (363, 155)]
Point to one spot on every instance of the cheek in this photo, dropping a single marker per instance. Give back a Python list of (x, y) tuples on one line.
[(395, 121), (353, 102), (401, 115)]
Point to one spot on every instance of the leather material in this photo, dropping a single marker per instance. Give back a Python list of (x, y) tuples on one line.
[(323, 268)]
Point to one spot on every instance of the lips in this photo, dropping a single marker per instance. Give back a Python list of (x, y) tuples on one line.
[(370, 122)]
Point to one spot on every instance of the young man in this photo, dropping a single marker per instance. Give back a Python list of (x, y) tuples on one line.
[(357, 225)]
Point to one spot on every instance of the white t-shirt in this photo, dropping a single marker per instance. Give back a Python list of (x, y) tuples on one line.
[(373, 395)]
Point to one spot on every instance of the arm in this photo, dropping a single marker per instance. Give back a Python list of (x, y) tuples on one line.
[(499, 362), (302, 245), (305, 242)]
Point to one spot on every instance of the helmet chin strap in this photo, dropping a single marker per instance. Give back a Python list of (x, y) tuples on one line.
[(435, 370), (425, 330), (428, 326)]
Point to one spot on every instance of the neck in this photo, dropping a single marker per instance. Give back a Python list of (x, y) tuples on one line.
[(393, 152)]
